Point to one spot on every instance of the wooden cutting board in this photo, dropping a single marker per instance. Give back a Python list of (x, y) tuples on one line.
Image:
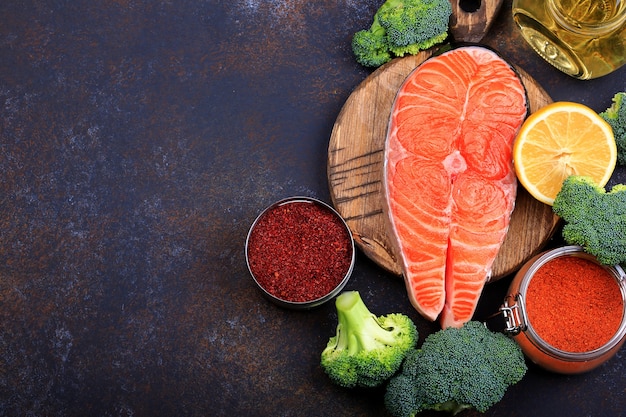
[(471, 19), (355, 163)]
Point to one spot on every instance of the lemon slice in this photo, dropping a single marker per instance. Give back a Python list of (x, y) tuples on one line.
[(559, 140)]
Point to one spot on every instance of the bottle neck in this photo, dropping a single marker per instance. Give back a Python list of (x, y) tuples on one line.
[(588, 17)]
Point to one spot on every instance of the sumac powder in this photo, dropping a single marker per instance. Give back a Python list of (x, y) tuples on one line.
[(574, 304), (299, 251)]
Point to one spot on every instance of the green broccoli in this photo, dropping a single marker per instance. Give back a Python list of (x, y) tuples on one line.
[(456, 369), (370, 46), (367, 350), (616, 117), (402, 27), (594, 219)]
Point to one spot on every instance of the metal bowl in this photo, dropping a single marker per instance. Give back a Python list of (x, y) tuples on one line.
[(290, 253)]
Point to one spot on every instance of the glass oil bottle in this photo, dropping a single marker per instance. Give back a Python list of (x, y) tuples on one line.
[(582, 38)]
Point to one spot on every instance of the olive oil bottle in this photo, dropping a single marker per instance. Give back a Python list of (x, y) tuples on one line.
[(583, 38)]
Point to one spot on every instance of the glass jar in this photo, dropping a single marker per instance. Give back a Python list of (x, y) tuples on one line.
[(582, 38), (517, 323)]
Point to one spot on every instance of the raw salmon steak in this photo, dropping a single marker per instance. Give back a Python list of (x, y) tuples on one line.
[(449, 182)]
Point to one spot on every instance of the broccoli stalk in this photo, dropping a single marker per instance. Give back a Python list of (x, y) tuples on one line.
[(367, 350), (402, 27), (615, 116), (456, 369), (594, 219)]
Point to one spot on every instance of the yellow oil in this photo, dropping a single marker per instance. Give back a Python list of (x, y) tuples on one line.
[(583, 38)]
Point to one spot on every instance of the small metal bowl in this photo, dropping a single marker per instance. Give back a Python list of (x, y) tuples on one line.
[(300, 252)]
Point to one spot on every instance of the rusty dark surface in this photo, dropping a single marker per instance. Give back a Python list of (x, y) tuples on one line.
[(139, 140)]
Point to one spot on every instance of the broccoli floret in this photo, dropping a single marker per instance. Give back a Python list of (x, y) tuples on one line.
[(455, 369), (616, 117), (367, 350), (370, 46), (594, 219), (402, 27), (413, 26)]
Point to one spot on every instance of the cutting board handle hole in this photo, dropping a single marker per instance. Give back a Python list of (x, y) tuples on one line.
[(470, 6)]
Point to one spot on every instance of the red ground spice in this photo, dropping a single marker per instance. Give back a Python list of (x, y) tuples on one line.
[(574, 304), (299, 251)]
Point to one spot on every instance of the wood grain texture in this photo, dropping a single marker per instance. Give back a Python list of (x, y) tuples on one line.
[(355, 163), (468, 25)]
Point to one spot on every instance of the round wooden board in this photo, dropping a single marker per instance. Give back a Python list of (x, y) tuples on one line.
[(355, 163)]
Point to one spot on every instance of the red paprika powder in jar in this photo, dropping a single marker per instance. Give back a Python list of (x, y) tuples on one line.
[(300, 252), (567, 311)]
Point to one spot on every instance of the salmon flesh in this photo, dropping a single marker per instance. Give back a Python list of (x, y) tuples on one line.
[(449, 181)]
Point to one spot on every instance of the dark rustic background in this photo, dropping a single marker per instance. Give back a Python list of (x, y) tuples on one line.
[(138, 141)]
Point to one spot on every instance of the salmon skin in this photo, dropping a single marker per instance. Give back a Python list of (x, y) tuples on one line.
[(449, 181)]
